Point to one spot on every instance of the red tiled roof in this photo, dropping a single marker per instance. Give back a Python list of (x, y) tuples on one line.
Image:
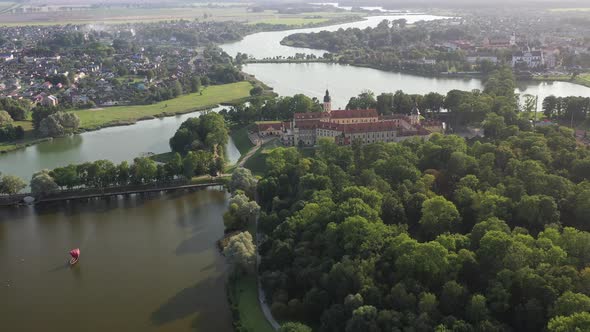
[(312, 115), (369, 127), (339, 114), (270, 125), (307, 124)]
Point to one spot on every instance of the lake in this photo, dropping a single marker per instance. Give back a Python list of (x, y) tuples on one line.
[(147, 263)]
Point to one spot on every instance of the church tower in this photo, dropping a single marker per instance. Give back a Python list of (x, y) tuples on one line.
[(327, 102)]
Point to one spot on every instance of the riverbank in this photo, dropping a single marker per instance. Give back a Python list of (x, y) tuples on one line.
[(96, 119), (209, 97), (582, 79)]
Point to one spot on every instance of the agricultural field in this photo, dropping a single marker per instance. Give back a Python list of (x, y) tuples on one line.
[(583, 9), (121, 14)]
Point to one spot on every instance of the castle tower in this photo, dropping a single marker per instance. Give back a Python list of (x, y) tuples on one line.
[(415, 116), (327, 102)]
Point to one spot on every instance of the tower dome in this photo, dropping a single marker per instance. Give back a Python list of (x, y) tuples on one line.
[(327, 102), (327, 97)]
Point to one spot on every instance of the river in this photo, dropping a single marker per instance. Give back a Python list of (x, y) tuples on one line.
[(147, 264), (267, 44), (312, 79), (114, 143)]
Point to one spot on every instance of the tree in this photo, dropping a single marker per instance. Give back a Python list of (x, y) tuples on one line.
[(365, 100), (144, 170), (494, 125), (10, 184), (363, 319), (42, 182), (477, 310), (206, 132), (577, 322), (241, 212), (242, 179), (241, 252), (195, 84), (256, 91), (537, 211), (570, 303), (294, 327), (66, 176), (5, 118), (58, 124), (438, 216), (189, 165)]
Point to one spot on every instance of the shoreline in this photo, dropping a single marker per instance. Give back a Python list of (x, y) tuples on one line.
[(464, 75), (18, 146)]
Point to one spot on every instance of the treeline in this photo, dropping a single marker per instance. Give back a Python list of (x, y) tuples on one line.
[(574, 109), (495, 106), (261, 108), (392, 46), (430, 235), (104, 173)]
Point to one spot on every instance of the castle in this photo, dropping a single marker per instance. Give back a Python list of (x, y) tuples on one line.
[(346, 126)]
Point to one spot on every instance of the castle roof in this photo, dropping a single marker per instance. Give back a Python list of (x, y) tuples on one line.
[(343, 114), (311, 115)]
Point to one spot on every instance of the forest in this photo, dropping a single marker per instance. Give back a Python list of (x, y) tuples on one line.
[(392, 46), (445, 234)]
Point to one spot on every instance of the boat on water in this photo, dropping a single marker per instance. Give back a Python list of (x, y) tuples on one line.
[(75, 253)]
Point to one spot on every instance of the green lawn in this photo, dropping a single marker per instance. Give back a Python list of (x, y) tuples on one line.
[(582, 79), (162, 157), (212, 96), (29, 137), (251, 315), (257, 163), (241, 139), (580, 9)]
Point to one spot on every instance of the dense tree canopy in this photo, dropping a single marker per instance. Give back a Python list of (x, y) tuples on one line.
[(207, 132), (440, 234)]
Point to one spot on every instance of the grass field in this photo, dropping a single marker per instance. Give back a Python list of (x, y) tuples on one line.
[(211, 96), (291, 21), (580, 9), (582, 79), (241, 139), (257, 163), (251, 315), (165, 12)]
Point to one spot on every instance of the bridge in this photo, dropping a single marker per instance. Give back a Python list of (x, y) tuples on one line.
[(89, 193)]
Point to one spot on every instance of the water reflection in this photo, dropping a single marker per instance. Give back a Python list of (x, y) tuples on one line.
[(160, 249)]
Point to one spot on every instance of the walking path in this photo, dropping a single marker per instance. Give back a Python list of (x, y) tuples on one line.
[(261, 296)]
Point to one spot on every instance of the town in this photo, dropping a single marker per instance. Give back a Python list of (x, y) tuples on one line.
[(84, 66)]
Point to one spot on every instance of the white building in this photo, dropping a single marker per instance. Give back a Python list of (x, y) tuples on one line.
[(533, 59)]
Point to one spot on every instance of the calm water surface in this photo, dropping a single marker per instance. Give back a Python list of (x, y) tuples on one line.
[(115, 144), (267, 44), (344, 81), (146, 264)]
